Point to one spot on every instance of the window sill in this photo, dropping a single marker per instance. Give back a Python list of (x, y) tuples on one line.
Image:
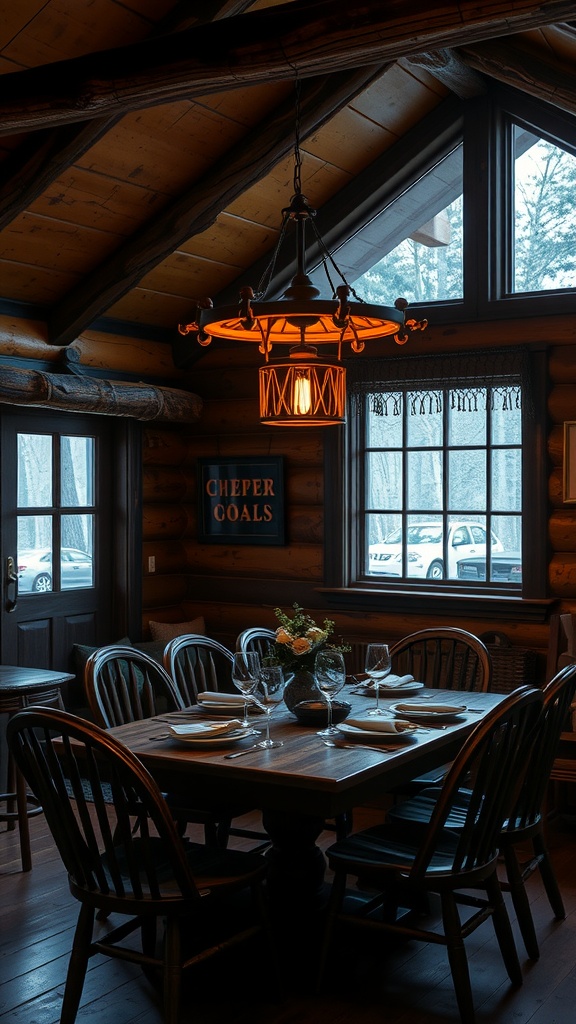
[(454, 605)]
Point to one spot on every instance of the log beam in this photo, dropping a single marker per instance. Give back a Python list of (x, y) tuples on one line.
[(101, 397), (40, 159), (265, 46), (515, 65), (197, 207)]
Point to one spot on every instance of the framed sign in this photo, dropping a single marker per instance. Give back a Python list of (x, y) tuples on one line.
[(570, 462), (241, 500)]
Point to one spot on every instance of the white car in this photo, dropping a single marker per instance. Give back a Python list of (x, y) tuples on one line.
[(35, 570), (425, 550)]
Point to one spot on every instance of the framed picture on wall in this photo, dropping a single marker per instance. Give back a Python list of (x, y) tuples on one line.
[(241, 500), (570, 462)]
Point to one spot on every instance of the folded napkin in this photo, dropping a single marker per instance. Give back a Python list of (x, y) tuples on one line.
[(203, 730), (391, 681), (213, 697), (375, 724), (428, 708)]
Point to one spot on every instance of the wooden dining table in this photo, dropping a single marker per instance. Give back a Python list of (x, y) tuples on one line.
[(302, 783)]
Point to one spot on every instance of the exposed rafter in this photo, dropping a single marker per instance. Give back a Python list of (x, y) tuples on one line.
[(39, 160), (513, 64), (197, 208), (269, 45)]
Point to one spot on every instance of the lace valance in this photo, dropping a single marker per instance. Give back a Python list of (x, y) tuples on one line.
[(499, 377)]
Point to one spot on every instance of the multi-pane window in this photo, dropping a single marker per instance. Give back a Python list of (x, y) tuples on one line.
[(544, 214), (55, 512), (441, 476)]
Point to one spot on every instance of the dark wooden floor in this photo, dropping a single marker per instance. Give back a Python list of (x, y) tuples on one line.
[(407, 984)]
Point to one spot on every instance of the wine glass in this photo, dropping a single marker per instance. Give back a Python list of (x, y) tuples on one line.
[(377, 666), (270, 691), (245, 673), (330, 672)]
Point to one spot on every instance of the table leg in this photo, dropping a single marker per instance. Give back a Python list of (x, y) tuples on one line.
[(296, 864)]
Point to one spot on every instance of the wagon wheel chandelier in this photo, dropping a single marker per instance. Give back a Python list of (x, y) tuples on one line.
[(301, 389)]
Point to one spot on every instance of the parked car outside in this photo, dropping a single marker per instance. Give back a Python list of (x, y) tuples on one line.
[(35, 570), (425, 549), (506, 567)]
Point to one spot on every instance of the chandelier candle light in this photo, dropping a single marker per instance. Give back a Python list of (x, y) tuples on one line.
[(302, 389)]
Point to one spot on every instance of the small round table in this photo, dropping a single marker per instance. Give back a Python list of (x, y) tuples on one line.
[(21, 688)]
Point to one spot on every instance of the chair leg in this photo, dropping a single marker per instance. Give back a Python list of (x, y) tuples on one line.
[(457, 958), (503, 930), (172, 980), (548, 877), (78, 965), (334, 903), (515, 883)]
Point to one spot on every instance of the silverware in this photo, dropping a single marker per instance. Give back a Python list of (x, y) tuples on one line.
[(240, 753), (357, 746)]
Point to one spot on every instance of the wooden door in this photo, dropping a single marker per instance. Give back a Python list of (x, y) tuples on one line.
[(56, 536)]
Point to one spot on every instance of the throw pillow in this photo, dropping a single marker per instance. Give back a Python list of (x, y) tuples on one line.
[(166, 631)]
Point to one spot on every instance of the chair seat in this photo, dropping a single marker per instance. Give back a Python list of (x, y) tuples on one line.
[(389, 848)]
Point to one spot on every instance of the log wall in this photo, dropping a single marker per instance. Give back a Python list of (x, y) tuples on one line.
[(238, 586)]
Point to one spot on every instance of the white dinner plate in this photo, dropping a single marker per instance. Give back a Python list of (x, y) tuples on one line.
[(352, 732), (389, 690), (219, 740), (221, 709), (404, 710)]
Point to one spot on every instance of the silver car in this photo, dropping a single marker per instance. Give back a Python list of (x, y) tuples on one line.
[(35, 570)]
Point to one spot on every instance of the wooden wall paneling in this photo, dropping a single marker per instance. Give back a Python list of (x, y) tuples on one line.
[(294, 561), (562, 529), (562, 402), (167, 484), (562, 574), (169, 557), (163, 521), (163, 592)]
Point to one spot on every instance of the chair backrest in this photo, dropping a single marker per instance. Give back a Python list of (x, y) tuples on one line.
[(257, 639), (558, 695), (561, 643), (490, 766), (196, 663), (124, 685), (447, 658), (63, 758)]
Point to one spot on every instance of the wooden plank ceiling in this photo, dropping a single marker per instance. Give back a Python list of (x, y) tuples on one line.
[(146, 151)]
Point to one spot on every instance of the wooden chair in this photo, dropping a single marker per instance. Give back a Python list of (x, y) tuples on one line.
[(446, 658), (125, 685), (196, 663), (561, 653), (148, 878), (526, 820), (257, 639), (460, 867)]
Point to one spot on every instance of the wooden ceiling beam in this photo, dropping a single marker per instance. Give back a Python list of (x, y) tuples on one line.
[(29, 169), (270, 45), (516, 65), (197, 208)]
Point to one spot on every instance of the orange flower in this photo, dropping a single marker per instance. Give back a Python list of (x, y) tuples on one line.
[(301, 645)]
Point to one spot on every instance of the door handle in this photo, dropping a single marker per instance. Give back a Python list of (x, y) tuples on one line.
[(11, 580)]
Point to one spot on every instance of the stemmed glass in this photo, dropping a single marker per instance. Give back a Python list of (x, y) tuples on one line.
[(245, 674), (330, 672), (270, 692), (377, 666)]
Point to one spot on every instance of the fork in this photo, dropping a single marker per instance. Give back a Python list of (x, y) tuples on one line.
[(357, 746)]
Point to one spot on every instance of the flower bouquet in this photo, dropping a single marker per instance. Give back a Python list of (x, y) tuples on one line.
[(298, 640)]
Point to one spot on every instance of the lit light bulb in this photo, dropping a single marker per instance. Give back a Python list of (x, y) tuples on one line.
[(302, 393)]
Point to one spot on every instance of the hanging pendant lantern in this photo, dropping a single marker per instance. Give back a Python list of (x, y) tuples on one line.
[(301, 390)]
